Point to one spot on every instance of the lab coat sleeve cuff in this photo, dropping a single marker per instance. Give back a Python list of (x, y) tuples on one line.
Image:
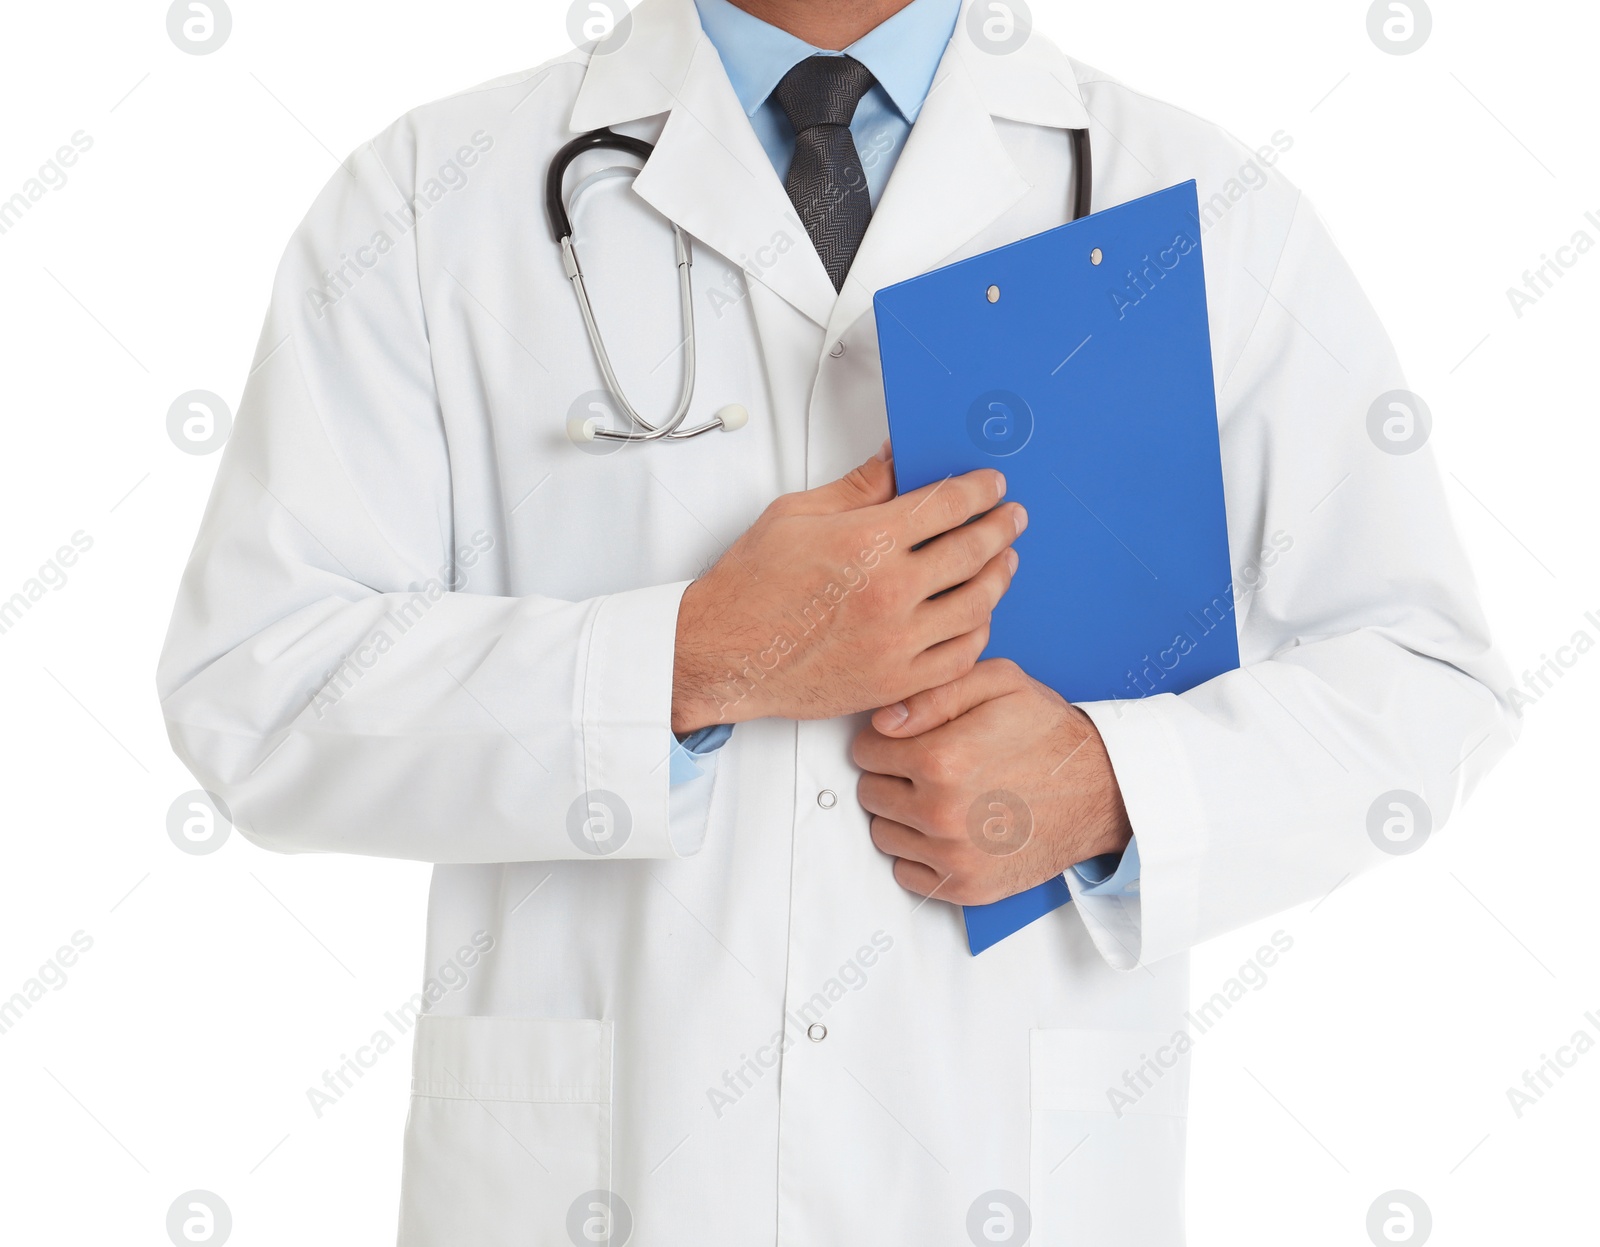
[(1159, 916), (626, 723)]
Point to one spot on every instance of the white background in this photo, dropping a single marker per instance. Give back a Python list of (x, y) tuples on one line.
[(219, 988)]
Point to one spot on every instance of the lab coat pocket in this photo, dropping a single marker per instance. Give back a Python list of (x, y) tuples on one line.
[(510, 1125), (1109, 1117)]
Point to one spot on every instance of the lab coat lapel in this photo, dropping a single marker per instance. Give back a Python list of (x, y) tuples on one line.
[(955, 176), (709, 173)]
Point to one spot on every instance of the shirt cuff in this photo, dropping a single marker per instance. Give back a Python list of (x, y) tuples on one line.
[(687, 752), (1106, 875)]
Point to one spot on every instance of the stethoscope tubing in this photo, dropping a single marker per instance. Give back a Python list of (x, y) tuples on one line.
[(561, 226)]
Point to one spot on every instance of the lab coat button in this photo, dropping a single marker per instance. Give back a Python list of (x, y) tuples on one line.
[(838, 350), (816, 1032), (827, 798)]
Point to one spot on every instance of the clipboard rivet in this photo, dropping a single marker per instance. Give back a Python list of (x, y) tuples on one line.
[(994, 294), (1096, 256)]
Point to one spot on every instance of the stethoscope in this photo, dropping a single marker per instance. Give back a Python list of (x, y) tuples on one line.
[(734, 416)]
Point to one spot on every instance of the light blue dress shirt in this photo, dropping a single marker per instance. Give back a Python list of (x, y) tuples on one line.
[(684, 761), (1110, 874), (903, 54)]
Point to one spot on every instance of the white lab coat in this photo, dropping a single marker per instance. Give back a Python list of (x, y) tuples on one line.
[(640, 1024)]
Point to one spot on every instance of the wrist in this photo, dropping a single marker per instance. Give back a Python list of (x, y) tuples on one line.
[(689, 715), (695, 680), (1109, 829), (1117, 833)]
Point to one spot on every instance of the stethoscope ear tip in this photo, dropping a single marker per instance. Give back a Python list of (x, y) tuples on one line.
[(582, 428), (733, 417)]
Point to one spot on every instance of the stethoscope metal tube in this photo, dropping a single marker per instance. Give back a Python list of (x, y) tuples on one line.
[(582, 428)]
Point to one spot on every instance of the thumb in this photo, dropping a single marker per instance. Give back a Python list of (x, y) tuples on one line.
[(922, 712), (869, 485)]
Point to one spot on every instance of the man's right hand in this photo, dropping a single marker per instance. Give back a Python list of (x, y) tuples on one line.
[(827, 606)]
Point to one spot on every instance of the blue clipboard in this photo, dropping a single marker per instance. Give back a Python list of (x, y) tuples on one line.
[(1078, 362)]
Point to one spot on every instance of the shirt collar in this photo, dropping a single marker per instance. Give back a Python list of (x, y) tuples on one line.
[(903, 53)]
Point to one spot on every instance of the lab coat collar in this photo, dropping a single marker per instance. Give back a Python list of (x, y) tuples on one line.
[(710, 174)]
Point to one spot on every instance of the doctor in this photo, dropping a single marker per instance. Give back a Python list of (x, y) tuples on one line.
[(688, 741)]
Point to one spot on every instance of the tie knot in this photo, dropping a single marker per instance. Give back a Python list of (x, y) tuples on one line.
[(823, 91)]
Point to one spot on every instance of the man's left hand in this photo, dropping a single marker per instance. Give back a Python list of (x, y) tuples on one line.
[(988, 786)]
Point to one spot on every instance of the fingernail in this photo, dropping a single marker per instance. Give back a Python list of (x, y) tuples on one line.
[(883, 452), (898, 713), (1013, 559), (1002, 484), (1021, 518)]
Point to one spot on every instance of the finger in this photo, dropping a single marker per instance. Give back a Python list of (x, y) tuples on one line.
[(877, 754), (871, 484), (968, 607), (906, 843), (948, 504), (888, 796), (947, 662), (955, 557), (918, 878), (925, 711)]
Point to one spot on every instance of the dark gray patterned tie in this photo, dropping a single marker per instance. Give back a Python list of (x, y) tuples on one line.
[(826, 182)]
